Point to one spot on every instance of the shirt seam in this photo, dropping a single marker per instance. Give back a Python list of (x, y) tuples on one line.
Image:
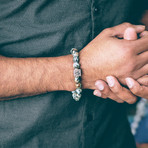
[(92, 20)]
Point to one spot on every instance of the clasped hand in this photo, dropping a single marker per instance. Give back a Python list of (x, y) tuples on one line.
[(114, 59)]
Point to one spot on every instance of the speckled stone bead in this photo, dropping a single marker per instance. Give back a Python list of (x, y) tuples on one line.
[(74, 94), (75, 59), (78, 85), (77, 74), (77, 99), (73, 50), (78, 90), (79, 95), (77, 79), (76, 65), (75, 54)]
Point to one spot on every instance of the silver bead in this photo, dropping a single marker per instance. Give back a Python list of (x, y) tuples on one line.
[(79, 95), (77, 72), (77, 79), (73, 50), (74, 95), (75, 54), (77, 98), (79, 90), (75, 59), (78, 85), (76, 65)]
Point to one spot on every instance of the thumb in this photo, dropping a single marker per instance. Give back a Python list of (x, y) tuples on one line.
[(130, 34), (120, 29)]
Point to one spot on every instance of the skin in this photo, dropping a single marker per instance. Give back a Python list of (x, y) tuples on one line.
[(119, 93), (97, 62), (115, 90), (21, 77), (139, 88)]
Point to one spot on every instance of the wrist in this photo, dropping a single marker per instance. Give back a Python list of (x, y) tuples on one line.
[(67, 77), (90, 71), (86, 70)]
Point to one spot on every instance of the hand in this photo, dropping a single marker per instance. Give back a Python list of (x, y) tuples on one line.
[(136, 88), (107, 55), (117, 92), (114, 90), (139, 87)]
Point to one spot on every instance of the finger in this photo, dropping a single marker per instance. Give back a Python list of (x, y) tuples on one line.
[(136, 88), (99, 94), (143, 80), (142, 71), (130, 34), (120, 91), (120, 29), (106, 92), (143, 34), (141, 45), (143, 59)]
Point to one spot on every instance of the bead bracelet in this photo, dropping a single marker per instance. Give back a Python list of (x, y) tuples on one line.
[(76, 94)]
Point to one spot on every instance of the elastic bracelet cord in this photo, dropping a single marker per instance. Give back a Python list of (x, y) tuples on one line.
[(77, 75)]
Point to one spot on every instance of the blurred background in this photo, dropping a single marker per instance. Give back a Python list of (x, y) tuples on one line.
[(138, 118)]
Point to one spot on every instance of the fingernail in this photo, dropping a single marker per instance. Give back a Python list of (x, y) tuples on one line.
[(129, 82), (130, 34), (97, 93), (110, 81), (142, 34), (99, 85)]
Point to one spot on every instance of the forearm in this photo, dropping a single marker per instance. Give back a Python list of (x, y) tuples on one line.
[(21, 77)]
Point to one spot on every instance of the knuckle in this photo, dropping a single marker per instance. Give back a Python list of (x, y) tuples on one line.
[(106, 92), (131, 101), (146, 82), (104, 97), (137, 91), (120, 101), (117, 90), (107, 30), (127, 24)]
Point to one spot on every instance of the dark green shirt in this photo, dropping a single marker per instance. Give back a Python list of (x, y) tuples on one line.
[(48, 28)]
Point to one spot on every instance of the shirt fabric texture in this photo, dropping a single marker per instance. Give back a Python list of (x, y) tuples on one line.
[(49, 28)]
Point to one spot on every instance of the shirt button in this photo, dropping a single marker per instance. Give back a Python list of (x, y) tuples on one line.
[(95, 9)]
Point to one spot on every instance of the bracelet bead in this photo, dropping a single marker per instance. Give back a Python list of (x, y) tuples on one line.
[(78, 85), (75, 59), (76, 65), (77, 74), (77, 79), (78, 90)]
